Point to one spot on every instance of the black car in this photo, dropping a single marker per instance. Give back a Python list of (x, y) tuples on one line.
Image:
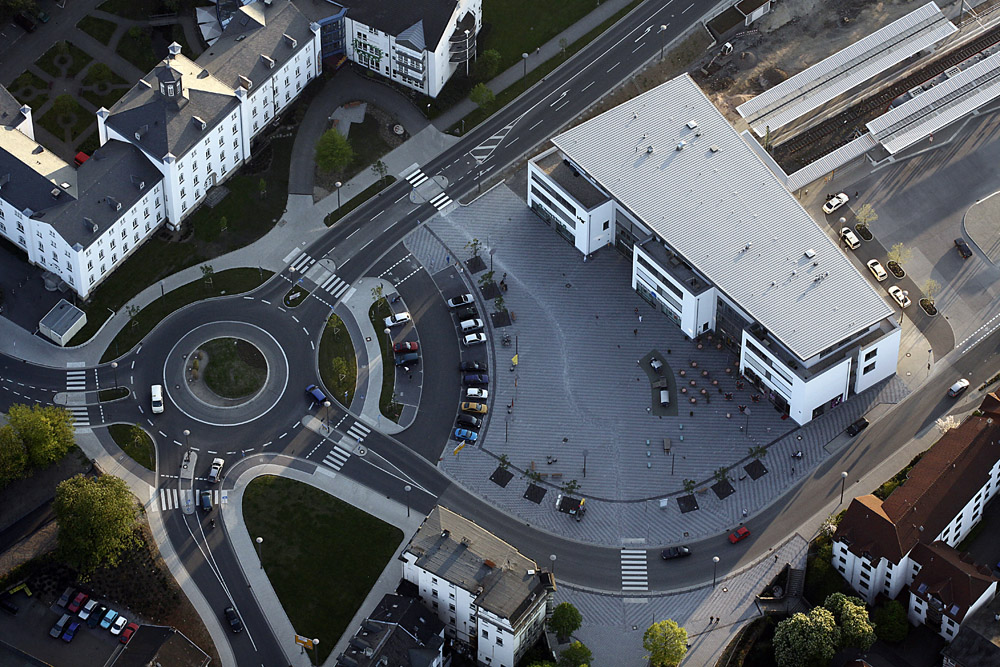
[(472, 366), (466, 313), (234, 620), (475, 378), (857, 427), (963, 248), (468, 421), (407, 359), (26, 21), (674, 552)]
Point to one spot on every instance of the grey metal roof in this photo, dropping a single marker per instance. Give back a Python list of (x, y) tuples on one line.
[(165, 124), (256, 30), (112, 175), (941, 105), (10, 109), (395, 17), (400, 631), (847, 68), (61, 318), (711, 205)]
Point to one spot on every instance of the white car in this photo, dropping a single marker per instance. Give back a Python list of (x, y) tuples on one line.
[(87, 609), (876, 268), (849, 238), (835, 203), (459, 301), (958, 387), (216, 472), (474, 339), (899, 296), (475, 392), (156, 398), (397, 319), (118, 625)]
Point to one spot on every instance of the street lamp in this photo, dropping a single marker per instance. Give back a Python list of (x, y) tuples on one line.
[(715, 569), (553, 559), (663, 48), (388, 343), (114, 367), (843, 483), (326, 417), (337, 185), (409, 488), (260, 541), (316, 651), (467, 54), (524, 57), (187, 434)]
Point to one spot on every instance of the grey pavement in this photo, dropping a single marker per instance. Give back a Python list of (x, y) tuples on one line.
[(980, 224)]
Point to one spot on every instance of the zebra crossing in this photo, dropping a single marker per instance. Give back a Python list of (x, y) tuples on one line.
[(358, 431), (166, 499), (302, 263), (77, 381), (337, 458), (335, 286), (634, 573), (440, 201), (418, 178)]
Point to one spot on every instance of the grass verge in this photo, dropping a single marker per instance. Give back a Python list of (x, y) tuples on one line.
[(105, 395), (66, 105), (99, 29), (358, 200), (78, 60), (136, 46), (295, 296), (36, 85), (135, 442), (313, 556), (233, 281), (387, 403), (235, 368), (338, 365)]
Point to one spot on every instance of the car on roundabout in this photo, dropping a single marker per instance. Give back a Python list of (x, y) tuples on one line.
[(316, 394), (235, 624), (739, 534), (461, 300), (671, 553), (215, 473)]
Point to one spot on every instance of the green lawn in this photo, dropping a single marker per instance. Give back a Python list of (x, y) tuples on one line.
[(294, 297), (233, 281), (141, 450), (358, 200), (135, 9), (389, 407), (321, 555), (136, 46), (30, 81), (234, 369), (78, 60), (336, 344), (100, 29), (106, 100), (101, 73), (82, 119), (112, 394)]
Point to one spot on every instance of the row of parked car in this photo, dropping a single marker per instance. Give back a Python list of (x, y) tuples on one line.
[(82, 609), (475, 376)]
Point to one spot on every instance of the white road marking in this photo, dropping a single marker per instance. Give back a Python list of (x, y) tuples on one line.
[(614, 66)]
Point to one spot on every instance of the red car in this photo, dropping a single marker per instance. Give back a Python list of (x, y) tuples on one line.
[(408, 346), (740, 533), (78, 601), (127, 632)]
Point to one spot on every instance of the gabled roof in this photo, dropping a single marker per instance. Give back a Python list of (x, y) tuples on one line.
[(948, 580), (395, 18), (400, 631), (977, 643), (413, 36)]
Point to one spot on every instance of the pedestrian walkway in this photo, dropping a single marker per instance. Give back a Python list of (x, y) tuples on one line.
[(171, 498), (336, 458), (634, 573)]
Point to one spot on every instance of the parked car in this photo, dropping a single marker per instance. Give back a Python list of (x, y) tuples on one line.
[(87, 609), (468, 326), (127, 632), (397, 319), (71, 631), (408, 346), (8, 606), (78, 602), (468, 420), (474, 339), (849, 238), (215, 474), (835, 202), (156, 398), (857, 427), (477, 393), (235, 624), (876, 268), (461, 300), (475, 378), (408, 359), (316, 394), (739, 534), (66, 597), (118, 625), (472, 366), (899, 296), (958, 387), (108, 619), (674, 552), (95, 618), (60, 625), (963, 248), (25, 20), (205, 501), (467, 313), (475, 408), (43, 16), (465, 434)]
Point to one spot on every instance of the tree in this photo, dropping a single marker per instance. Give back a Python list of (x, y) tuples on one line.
[(570, 487), (890, 622), (46, 431), (97, 521), (504, 461), (866, 215), (852, 618), (13, 456), (10, 7), (565, 620), (488, 65), (475, 245), (806, 640), (99, 73), (722, 474), (577, 655), (758, 452), (482, 96), (498, 303), (899, 254), (689, 485), (207, 272), (486, 279), (380, 170), (543, 663), (666, 643), (378, 293), (930, 289), (333, 152)]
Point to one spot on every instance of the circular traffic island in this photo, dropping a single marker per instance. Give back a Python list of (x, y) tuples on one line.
[(232, 368)]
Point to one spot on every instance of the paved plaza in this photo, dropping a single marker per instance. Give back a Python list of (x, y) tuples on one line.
[(579, 388)]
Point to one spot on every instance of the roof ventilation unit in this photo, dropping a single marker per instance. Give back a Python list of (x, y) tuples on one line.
[(199, 122), (692, 124), (292, 42), (245, 82), (810, 253), (91, 225), (714, 149), (267, 60), (137, 182), (649, 149), (115, 204), (681, 145), (55, 193)]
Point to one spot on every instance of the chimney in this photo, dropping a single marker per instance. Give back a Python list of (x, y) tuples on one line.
[(292, 42), (199, 122), (267, 61), (115, 204), (137, 182)]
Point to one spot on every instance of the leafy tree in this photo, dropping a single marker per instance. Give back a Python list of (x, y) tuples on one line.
[(333, 151), (866, 215), (380, 170), (820, 575), (99, 73), (378, 293), (10, 7), (758, 452), (899, 254), (207, 272), (577, 655), (13, 456), (475, 245), (46, 431), (570, 487), (565, 620), (504, 461), (97, 521), (852, 617), (930, 289), (486, 279), (498, 303), (482, 96), (722, 474), (666, 643), (890, 622), (543, 663), (806, 640), (689, 485), (488, 65)]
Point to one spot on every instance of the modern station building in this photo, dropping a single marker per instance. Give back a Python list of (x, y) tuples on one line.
[(718, 243)]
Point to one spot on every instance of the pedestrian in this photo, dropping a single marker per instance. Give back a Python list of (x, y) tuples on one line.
[(711, 619), (716, 620), (640, 319), (635, 332), (855, 194), (637, 311), (745, 512), (775, 558)]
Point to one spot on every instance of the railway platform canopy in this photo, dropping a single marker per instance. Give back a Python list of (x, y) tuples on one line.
[(846, 69), (941, 105)]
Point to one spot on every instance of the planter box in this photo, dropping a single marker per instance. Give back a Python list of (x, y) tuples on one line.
[(863, 232), (928, 307), (896, 270)]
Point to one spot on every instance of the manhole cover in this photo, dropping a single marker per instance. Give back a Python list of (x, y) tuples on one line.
[(397, 129)]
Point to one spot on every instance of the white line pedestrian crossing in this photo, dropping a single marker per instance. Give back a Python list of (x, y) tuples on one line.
[(170, 498), (302, 263), (335, 286), (337, 458), (441, 201), (81, 417), (76, 380), (358, 431), (416, 178), (634, 573)]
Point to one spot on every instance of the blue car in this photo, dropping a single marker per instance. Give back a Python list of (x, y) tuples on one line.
[(71, 631), (316, 394), (465, 434), (109, 618), (476, 378)]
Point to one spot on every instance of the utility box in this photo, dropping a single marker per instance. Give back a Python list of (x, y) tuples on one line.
[(62, 322)]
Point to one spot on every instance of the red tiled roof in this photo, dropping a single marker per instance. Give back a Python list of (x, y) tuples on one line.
[(953, 579)]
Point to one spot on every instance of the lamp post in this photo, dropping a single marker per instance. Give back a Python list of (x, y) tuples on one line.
[(187, 434), (259, 541), (663, 48), (553, 559), (114, 367), (585, 452), (316, 651), (337, 185), (388, 343), (524, 57), (715, 569), (843, 483), (326, 415), (408, 488), (466, 54)]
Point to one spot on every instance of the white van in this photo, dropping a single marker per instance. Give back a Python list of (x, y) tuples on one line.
[(468, 326), (156, 394), (849, 238), (664, 397)]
